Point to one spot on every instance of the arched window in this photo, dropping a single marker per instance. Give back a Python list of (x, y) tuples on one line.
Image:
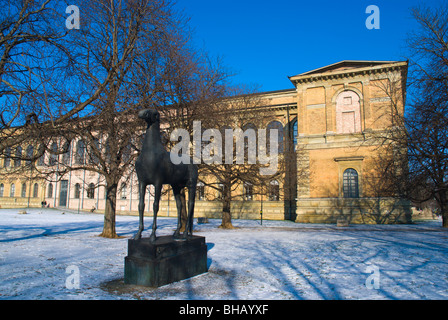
[(248, 191), (35, 190), (123, 191), (18, 160), (91, 191), (93, 158), (2, 190), (29, 154), (80, 152), (24, 190), (250, 142), (77, 191), (127, 150), (7, 161), (200, 191), (12, 191), (41, 161), (348, 112), (274, 190), (53, 157), (350, 184), (50, 190), (293, 132), (225, 136), (66, 155), (275, 125)]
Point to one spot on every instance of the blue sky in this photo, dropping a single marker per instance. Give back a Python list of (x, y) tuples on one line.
[(264, 42)]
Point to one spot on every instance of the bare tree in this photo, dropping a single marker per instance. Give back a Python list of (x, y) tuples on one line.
[(385, 184), (30, 52), (418, 137), (147, 46), (427, 120), (51, 75)]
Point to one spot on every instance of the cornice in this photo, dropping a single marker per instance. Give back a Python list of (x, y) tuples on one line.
[(300, 79)]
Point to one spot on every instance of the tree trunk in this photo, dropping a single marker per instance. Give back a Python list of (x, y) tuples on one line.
[(443, 204), (109, 214), (444, 214), (226, 222), (445, 219)]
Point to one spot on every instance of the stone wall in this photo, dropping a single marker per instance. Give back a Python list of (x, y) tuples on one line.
[(363, 210)]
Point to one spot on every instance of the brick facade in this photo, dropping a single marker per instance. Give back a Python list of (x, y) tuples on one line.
[(334, 113)]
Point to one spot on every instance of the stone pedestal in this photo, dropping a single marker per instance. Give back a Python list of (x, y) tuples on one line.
[(154, 264)]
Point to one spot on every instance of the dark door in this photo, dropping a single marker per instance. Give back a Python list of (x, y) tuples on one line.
[(63, 193)]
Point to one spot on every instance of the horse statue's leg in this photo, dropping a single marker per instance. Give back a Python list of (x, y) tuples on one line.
[(157, 194), (141, 209), (177, 197), (191, 196)]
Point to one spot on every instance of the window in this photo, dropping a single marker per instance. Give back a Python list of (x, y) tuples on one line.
[(274, 190), (77, 191), (250, 142), (7, 161), (41, 161), (293, 131), (18, 160), (200, 191), (350, 184), (35, 190), (53, 157), (29, 154), (93, 158), (123, 191), (66, 155), (275, 125), (127, 150), (50, 190), (12, 192), (248, 191), (91, 191), (80, 151), (23, 190), (2, 190)]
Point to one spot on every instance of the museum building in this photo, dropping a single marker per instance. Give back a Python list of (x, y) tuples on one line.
[(332, 118)]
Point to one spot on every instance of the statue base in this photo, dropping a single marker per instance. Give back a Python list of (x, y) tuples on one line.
[(154, 264)]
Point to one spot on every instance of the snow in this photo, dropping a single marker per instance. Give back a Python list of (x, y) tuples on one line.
[(276, 260)]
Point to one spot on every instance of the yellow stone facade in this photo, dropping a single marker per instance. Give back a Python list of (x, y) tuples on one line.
[(333, 112)]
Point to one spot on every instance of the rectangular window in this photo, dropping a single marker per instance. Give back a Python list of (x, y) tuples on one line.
[(350, 184), (23, 190)]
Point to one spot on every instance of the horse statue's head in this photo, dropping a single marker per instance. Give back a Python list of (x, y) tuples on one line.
[(150, 116)]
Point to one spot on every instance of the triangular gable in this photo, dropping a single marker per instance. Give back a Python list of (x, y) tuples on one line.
[(344, 65)]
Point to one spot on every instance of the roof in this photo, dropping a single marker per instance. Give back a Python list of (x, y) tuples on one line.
[(347, 66)]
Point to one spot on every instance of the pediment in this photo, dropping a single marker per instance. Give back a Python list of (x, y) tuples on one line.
[(345, 65)]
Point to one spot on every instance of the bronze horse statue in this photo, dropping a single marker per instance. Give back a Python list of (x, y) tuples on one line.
[(154, 166)]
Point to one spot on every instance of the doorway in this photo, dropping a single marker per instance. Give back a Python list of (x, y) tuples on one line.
[(63, 193)]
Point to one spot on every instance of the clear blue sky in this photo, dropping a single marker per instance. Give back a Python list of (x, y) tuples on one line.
[(264, 42)]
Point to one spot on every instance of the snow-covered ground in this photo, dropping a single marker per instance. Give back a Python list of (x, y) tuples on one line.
[(42, 251)]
